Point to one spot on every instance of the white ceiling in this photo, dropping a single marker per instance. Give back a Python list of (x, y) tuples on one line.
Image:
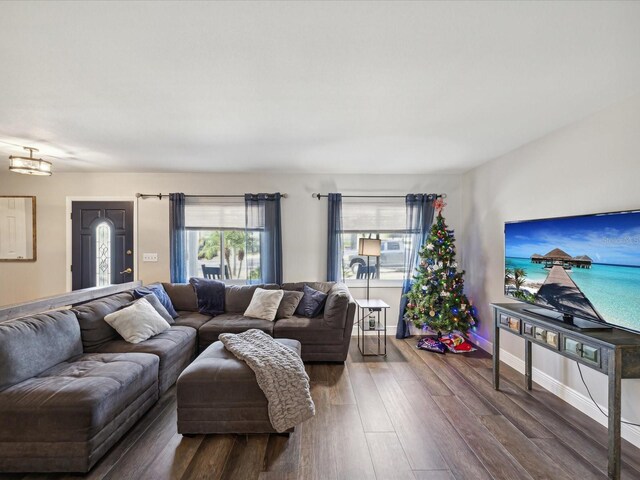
[(331, 87)]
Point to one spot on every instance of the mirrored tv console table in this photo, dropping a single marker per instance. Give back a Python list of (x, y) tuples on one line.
[(612, 351)]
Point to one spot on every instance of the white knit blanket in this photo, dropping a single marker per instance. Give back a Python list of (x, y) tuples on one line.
[(280, 374)]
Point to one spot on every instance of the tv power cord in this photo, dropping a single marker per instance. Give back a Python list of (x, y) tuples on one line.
[(595, 403)]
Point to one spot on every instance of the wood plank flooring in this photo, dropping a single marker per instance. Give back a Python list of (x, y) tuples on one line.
[(414, 415)]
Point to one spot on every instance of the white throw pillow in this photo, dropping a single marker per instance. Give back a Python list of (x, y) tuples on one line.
[(137, 322), (264, 304)]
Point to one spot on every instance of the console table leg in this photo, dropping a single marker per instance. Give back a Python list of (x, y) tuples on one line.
[(527, 365), (615, 384), (496, 352)]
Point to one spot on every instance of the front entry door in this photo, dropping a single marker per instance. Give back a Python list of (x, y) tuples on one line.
[(102, 243)]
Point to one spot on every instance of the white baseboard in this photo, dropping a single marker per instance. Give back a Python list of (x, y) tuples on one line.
[(483, 343), (568, 394)]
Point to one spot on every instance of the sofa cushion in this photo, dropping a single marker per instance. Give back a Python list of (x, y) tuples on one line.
[(31, 345), (230, 323), (74, 400), (264, 304), (93, 329), (175, 347), (138, 321), (238, 297), (324, 287), (337, 306), (218, 378), (158, 290), (310, 331), (191, 319), (182, 295), (312, 302)]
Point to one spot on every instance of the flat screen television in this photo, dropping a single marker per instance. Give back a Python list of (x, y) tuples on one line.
[(583, 270)]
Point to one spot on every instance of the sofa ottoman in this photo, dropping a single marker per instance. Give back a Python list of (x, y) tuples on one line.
[(218, 393)]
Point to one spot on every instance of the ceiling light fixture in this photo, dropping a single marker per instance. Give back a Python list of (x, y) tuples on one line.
[(29, 165)]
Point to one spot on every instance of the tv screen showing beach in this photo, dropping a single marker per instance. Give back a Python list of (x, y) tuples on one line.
[(586, 266)]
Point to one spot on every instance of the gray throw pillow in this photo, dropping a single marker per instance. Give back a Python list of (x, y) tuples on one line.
[(289, 303), (157, 305), (158, 290), (312, 302)]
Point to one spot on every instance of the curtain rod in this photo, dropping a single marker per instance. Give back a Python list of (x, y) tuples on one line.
[(160, 195), (319, 196)]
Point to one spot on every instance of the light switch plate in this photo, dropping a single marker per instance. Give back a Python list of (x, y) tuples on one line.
[(149, 257)]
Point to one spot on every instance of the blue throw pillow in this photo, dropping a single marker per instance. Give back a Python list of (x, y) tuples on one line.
[(159, 291), (312, 302), (210, 295)]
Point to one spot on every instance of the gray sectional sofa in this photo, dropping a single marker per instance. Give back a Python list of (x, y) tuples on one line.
[(324, 338), (70, 386)]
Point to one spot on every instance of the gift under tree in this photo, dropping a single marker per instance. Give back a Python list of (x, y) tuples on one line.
[(436, 300)]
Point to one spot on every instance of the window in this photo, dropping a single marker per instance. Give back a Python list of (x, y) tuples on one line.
[(385, 220), (217, 241), (103, 254)]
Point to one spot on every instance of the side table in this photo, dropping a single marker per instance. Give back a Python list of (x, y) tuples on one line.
[(372, 317)]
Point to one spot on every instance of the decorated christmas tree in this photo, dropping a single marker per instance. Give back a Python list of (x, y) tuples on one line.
[(436, 299)]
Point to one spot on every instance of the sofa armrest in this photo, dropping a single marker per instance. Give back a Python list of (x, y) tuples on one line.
[(339, 309)]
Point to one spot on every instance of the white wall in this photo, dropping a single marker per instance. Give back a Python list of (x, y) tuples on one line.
[(304, 219), (591, 166)]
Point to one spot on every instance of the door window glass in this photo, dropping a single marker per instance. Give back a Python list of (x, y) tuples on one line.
[(103, 254)]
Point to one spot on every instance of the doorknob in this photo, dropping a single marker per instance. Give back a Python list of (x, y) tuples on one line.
[(128, 270)]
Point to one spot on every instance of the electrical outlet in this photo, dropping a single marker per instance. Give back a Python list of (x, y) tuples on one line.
[(149, 257)]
